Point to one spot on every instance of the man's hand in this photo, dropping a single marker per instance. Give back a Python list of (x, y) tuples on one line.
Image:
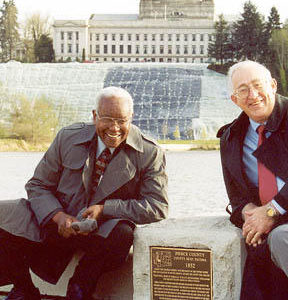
[(94, 212), (64, 222), (256, 224)]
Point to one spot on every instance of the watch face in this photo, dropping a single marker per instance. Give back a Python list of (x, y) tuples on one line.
[(270, 212)]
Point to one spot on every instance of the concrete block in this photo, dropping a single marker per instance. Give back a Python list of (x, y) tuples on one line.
[(214, 233)]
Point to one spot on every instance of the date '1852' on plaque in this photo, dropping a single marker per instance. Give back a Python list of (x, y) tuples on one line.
[(181, 273)]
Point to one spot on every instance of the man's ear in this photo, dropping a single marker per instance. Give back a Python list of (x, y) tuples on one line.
[(94, 115), (234, 98), (274, 85)]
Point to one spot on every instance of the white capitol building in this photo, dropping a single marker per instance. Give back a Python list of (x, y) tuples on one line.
[(164, 31)]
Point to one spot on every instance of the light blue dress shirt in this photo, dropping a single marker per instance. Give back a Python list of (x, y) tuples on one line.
[(250, 161), (101, 146)]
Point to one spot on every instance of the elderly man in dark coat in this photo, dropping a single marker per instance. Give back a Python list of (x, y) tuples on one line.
[(255, 168), (109, 172)]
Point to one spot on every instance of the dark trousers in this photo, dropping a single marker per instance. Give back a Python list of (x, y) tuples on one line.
[(262, 280), (100, 255)]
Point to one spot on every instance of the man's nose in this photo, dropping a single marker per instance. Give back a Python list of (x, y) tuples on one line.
[(252, 92), (114, 125)]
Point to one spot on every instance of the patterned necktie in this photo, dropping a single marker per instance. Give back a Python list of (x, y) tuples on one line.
[(266, 179), (100, 165)]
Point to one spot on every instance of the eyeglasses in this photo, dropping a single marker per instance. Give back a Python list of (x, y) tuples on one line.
[(243, 91), (111, 121)]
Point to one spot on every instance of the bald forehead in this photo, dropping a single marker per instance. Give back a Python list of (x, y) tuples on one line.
[(247, 74)]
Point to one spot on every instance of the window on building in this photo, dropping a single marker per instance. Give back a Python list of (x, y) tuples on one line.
[(177, 49), (185, 37), (91, 36), (185, 49), (161, 37), (145, 37), (69, 48), (97, 49), (105, 49), (62, 35), (193, 49), (77, 48), (161, 49), (90, 49), (129, 37), (105, 37), (201, 49), (113, 37), (153, 49), (121, 37), (77, 35), (210, 37), (193, 37), (62, 48), (113, 49), (169, 49), (69, 35), (177, 37), (153, 37), (121, 49), (97, 37), (137, 49), (137, 37), (145, 49), (201, 37), (129, 49), (169, 37)]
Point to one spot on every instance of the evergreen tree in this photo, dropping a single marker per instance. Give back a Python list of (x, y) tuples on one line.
[(9, 35), (220, 48), (43, 49), (273, 21), (248, 34)]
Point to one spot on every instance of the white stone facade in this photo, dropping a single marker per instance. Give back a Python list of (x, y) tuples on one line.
[(164, 31)]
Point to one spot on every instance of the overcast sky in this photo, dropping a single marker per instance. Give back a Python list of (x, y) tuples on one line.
[(69, 9)]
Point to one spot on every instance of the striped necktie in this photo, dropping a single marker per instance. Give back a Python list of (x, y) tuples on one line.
[(100, 165)]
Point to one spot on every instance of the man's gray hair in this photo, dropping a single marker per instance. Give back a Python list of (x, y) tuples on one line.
[(114, 92), (245, 63)]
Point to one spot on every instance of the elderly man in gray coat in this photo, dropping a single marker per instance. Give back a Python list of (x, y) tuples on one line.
[(108, 173)]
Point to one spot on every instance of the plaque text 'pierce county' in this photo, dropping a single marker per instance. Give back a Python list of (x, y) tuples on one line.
[(181, 273)]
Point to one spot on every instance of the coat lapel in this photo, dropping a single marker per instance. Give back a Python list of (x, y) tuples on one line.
[(234, 150), (118, 172)]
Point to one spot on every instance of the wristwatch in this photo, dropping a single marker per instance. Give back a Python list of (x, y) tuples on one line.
[(271, 211)]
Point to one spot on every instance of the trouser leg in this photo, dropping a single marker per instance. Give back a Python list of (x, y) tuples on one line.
[(13, 259), (102, 255), (278, 244)]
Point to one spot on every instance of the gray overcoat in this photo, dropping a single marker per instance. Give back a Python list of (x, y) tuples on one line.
[(134, 185)]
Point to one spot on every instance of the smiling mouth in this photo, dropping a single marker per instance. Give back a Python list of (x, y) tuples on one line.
[(113, 135), (256, 103)]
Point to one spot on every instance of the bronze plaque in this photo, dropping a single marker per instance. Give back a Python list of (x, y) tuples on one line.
[(181, 273)]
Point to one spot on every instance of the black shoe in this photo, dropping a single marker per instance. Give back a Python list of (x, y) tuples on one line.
[(21, 294), (76, 292)]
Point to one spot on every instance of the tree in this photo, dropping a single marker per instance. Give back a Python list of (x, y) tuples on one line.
[(35, 26), (9, 35), (220, 48), (248, 34), (83, 55), (279, 66), (271, 25), (43, 49), (33, 122)]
